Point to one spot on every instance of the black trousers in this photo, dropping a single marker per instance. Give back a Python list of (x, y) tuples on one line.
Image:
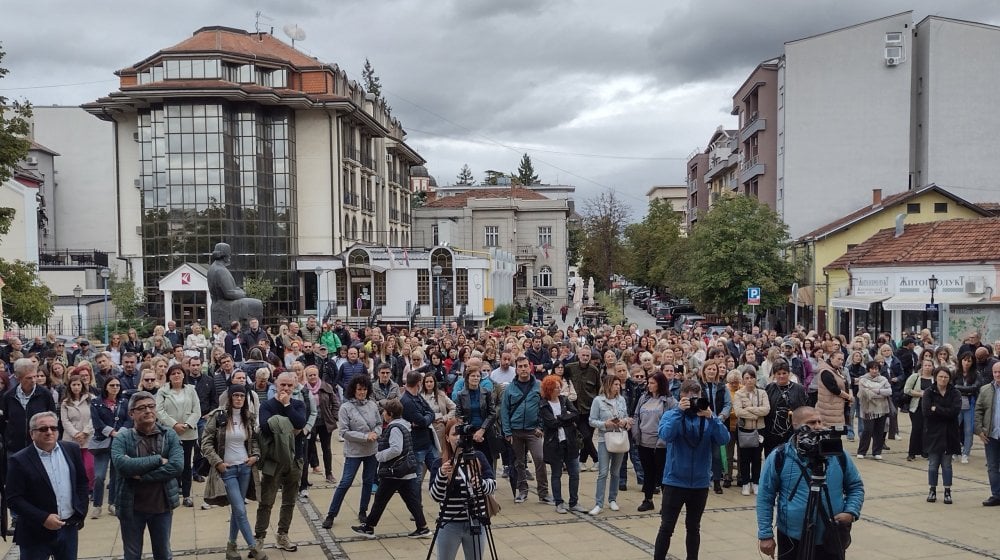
[(749, 459), (873, 435), (788, 549), (674, 498), (652, 461), (587, 450), (409, 491), (916, 432)]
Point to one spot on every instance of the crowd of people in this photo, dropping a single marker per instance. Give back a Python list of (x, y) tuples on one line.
[(250, 411)]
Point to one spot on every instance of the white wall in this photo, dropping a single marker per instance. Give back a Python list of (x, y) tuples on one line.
[(956, 107), (846, 122), (313, 151), (21, 242), (85, 174)]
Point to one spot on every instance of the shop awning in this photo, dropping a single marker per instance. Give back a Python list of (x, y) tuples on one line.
[(806, 297), (861, 303), (918, 302)]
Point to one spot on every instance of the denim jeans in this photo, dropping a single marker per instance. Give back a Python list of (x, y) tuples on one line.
[(572, 463), (936, 460), (63, 547), (454, 534), (133, 529), (993, 465), (237, 481), (102, 458), (425, 460), (351, 466), (966, 420), (607, 463), (675, 497)]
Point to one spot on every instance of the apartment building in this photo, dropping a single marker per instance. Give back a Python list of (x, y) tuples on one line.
[(697, 189), (676, 195)]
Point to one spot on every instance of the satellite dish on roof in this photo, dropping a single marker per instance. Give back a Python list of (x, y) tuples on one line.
[(294, 32)]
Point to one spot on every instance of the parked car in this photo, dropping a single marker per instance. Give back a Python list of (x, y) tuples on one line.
[(712, 330), (687, 321), (670, 317), (639, 295), (662, 316)]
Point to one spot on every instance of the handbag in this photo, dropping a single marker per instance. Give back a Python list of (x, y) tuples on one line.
[(747, 439), (616, 442), (202, 467), (492, 506)]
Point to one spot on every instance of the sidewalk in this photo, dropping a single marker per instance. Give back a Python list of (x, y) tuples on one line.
[(896, 523)]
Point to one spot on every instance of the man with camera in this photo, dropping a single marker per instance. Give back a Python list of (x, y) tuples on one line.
[(785, 481), (691, 431)]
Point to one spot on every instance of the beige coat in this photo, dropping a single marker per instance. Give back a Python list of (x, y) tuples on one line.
[(751, 407), (75, 418), (213, 447), (830, 406)]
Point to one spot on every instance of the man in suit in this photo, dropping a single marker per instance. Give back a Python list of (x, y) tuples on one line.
[(47, 489)]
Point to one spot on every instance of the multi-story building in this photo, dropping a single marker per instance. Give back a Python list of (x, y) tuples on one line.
[(515, 220), (723, 164), (755, 105), (697, 189), (238, 137), (676, 195)]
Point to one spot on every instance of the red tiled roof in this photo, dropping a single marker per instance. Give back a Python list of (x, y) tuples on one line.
[(41, 148), (945, 242), (241, 43), (887, 202), (993, 208), (460, 200)]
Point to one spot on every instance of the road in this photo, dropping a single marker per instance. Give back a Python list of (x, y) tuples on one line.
[(639, 317)]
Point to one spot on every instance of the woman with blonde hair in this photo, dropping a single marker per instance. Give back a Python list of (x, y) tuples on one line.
[(608, 412)]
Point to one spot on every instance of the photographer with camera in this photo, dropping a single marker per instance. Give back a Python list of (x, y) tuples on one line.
[(461, 487), (691, 431), (813, 454)]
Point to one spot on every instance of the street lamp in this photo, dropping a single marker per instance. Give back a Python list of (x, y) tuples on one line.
[(78, 294), (319, 308), (437, 270), (105, 274), (932, 283)]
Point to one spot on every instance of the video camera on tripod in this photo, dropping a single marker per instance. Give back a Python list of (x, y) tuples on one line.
[(816, 445)]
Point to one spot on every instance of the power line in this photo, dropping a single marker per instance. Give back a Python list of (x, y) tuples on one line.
[(46, 86)]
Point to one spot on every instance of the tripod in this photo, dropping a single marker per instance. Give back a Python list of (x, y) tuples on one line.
[(466, 471), (817, 506)]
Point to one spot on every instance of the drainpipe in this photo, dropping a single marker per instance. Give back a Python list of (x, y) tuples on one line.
[(826, 275)]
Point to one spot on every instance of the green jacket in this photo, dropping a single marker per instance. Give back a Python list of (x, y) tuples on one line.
[(277, 449), (331, 341), (128, 465)]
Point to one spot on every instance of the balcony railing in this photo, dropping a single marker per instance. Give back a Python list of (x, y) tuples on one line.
[(393, 176), (394, 215), (351, 199), (753, 127), (405, 218), (68, 257), (368, 205), (750, 168), (527, 251), (367, 161)]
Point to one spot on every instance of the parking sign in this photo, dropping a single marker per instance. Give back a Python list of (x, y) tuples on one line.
[(753, 296)]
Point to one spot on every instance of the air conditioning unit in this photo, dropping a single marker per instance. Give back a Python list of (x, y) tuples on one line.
[(137, 183), (892, 61), (975, 286), (31, 160), (135, 136)]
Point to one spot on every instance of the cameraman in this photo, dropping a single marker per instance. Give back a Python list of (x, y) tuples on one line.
[(692, 432), (790, 490), (455, 523)]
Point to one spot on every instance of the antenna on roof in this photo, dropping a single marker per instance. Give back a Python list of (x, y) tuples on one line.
[(294, 32)]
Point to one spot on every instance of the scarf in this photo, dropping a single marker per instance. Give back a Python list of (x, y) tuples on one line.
[(873, 405), (314, 389)]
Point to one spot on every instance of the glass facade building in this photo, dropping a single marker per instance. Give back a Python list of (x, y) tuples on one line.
[(214, 172)]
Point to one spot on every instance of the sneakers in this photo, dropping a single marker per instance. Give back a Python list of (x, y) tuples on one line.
[(95, 512), (188, 502), (231, 552), (206, 506), (506, 472), (561, 508), (578, 509), (197, 478), (595, 511), (613, 505), (717, 487), (861, 455), (330, 479), (328, 522), (965, 459), (257, 551), (753, 488), (520, 498), (745, 491), (420, 533), (646, 505), (111, 509), (303, 495), (877, 457), (547, 500), (364, 531), (283, 543)]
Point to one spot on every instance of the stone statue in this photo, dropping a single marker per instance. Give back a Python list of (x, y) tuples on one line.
[(229, 303)]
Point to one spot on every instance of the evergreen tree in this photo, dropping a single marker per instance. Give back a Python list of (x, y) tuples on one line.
[(465, 176), (526, 172), (373, 84)]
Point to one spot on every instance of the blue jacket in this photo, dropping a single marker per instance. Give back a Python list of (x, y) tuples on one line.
[(689, 455), (460, 386), (525, 415), (847, 493)]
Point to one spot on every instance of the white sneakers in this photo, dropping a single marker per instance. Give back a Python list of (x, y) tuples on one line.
[(754, 488), (613, 505), (860, 456), (596, 510), (746, 490), (877, 457), (965, 459)]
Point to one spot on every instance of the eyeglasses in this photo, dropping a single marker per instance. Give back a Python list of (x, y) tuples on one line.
[(114, 385), (144, 407), (44, 429), (150, 379)]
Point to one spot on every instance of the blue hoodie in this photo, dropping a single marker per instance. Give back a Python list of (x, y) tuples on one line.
[(690, 466)]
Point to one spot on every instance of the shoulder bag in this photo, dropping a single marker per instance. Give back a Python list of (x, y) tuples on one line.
[(616, 441), (747, 439)]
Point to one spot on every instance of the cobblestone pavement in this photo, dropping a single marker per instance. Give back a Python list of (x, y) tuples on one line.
[(896, 523)]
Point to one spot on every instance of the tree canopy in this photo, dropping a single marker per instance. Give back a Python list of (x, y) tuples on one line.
[(526, 172), (373, 84), (14, 128), (653, 247), (604, 220), (737, 244), (465, 176)]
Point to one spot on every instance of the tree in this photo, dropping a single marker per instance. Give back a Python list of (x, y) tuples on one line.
[(373, 84), (26, 301), (258, 287), (604, 221), (739, 243), (14, 143), (465, 176), (125, 296), (653, 246), (493, 177), (526, 172)]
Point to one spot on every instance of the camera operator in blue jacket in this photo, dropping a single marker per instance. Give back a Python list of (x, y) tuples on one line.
[(789, 489), (692, 431)]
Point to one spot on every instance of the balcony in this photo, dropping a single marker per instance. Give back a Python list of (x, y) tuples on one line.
[(527, 252), (404, 218), (751, 168), (751, 128), (717, 167), (367, 161), (393, 176), (351, 199), (352, 153), (71, 258), (394, 215)]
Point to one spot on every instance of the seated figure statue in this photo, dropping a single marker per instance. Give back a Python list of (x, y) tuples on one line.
[(229, 302)]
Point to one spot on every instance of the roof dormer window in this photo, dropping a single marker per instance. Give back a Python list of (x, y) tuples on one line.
[(197, 69)]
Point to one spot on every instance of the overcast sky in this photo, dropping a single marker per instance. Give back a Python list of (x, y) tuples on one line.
[(601, 94)]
